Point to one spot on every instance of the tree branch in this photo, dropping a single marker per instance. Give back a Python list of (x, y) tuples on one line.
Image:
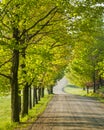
[(41, 19), (36, 41), (5, 24), (3, 42), (4, 10), (52, 46), (57, 45), (32, 81), (42, 27), (8, 38), (6, 76), (22, 83), (6, 62)]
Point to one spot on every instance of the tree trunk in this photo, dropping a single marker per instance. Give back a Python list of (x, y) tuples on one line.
[(14, 80), (26, 87), (84, 88), (36, 95), (100, 82), (51, 89), (42, 89), (94, 83), (25, 100), (39, 93), (19, 101), (14, 88), (87, 89), (48, 89), (30, 98)]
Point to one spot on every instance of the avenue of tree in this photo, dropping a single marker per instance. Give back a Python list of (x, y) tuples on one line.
[(40, 40)]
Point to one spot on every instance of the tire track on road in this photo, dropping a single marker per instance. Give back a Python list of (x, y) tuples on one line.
[(70, 112)]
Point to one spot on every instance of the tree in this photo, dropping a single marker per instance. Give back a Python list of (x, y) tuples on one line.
[(13, 16), (27, 22)]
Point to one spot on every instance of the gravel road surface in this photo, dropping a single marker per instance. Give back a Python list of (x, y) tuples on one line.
[(70, 112)]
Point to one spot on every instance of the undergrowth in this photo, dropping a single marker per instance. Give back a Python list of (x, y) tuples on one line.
[(72, 89), (5, 124)]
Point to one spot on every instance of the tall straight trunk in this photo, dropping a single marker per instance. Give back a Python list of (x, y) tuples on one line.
[(19, 101), (30, 98), (25, 100), (26, 87), (39, 93), (14, 80), (48, 89), (87, 89), (36, 95), (51, 89), (94, 82), (94, 88), (100, 81), (42, 91), (84, 88)]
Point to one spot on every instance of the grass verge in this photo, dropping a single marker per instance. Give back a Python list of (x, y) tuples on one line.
[(72, 89), (34, 113), (5, 113)]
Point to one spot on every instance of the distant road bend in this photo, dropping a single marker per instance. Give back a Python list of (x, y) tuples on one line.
[(70, 112)]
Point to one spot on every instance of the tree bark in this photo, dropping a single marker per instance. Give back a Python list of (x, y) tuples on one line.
[(30, 98), (84, 88), (26, 87), (39, 93), (36, 95), (25, 100), (51, 89), (87, 89), (19, 101), (42, 93), (14, 80), (100, 82), (94, 82)]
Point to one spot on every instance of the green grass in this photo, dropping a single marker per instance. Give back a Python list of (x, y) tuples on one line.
[(5, 112), (101, 89), (35, 112), (38, 109), (72, 89)]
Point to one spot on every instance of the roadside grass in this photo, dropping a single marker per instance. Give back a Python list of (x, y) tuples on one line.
[(72, 89), (101, 94), (34, 112), (5, 112), (101, 89)]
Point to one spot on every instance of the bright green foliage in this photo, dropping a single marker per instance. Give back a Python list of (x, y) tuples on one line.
[(45, 33), (5, 112), (5, 59), (86, 58), (74, 90), (86, 61), (45, 61)]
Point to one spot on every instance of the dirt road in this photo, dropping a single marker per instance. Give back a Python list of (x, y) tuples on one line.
[(69, 112)]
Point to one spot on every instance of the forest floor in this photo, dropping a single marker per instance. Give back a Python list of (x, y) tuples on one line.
[(70, 112)]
